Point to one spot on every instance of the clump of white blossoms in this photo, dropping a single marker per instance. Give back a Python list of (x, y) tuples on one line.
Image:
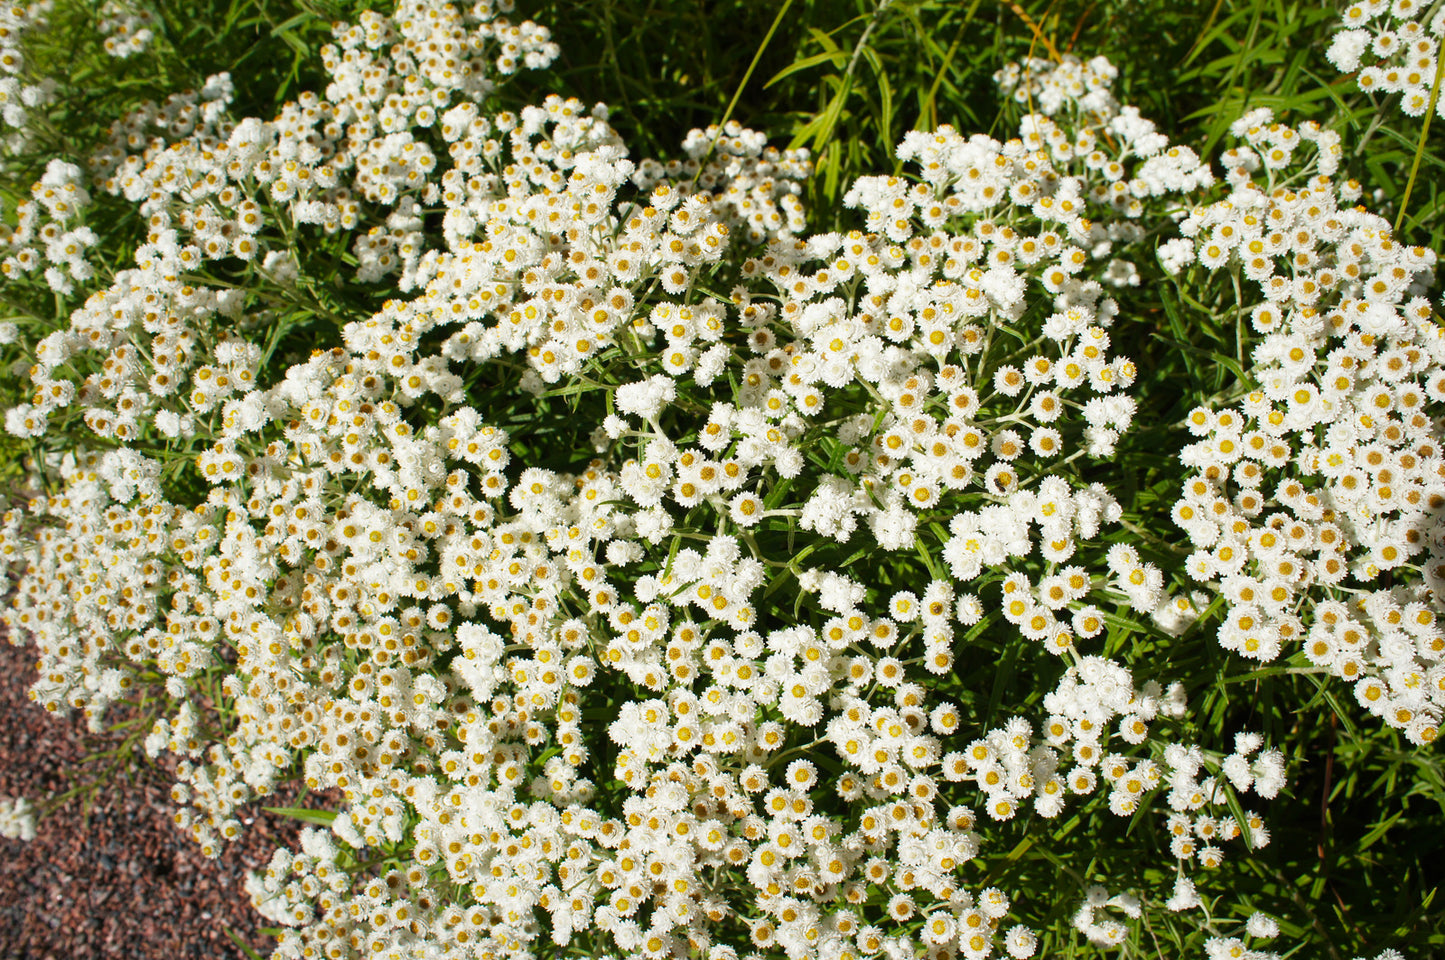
[(757, 187), (50, 235), (1391, 51), (1315, 503), (127, 31), (614, 705), (20, 92)]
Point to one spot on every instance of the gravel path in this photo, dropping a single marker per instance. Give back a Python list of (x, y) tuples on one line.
[(122, 881)]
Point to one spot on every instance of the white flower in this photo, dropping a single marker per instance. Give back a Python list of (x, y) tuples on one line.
[(646, 398), (654, 525), (1176, 254), (1184, 896), (17, 819), (1261, 925)]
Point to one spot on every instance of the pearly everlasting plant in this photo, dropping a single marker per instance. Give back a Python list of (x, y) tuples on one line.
[(628, 559), (1314, 505)]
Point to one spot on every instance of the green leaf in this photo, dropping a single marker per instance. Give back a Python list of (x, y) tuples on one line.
[(286, 26), (835, 56), (1379, 830), (1231, 800), (928, 559), (323, 818), (241, 945), (885, 95)]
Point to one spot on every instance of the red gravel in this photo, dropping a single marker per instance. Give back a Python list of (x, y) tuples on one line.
[(123, 881)]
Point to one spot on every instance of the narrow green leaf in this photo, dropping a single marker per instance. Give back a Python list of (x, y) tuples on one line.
[(323, 818), (837, 57), (1379, 830), (885, 96), (241, 945), (1231, 800), (287, 25)]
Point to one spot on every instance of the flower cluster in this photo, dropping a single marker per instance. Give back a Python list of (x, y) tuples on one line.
[(1095, 925), (754, 185), (1047, 86), (1096, 704), (18, 95), (50, 235), (1390, 50), (1315, 504), (568, 702), (127, 32)]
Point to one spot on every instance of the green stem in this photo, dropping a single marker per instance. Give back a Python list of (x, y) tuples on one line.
[(732, 104), (1424, 132)]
